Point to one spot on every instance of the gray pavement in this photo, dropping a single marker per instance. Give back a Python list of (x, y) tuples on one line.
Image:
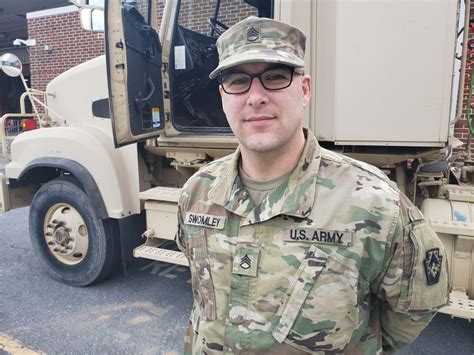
[(3, 162), (145, 312)]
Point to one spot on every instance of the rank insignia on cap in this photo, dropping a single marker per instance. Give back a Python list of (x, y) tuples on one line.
[(433, 266), (245, 262), (253, 34)]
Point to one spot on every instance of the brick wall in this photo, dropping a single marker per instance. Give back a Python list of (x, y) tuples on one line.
[(461, 129), (194, 14), (71, 46)]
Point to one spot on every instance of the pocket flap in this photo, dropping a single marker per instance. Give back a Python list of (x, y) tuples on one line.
[(197, 246), (201, 275)]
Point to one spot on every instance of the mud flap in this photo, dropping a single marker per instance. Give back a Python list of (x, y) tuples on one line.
[(131, 229)]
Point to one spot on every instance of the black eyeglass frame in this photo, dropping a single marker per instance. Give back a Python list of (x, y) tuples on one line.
[(293, 70)]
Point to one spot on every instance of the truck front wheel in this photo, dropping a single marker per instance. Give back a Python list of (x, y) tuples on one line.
[(72, 243)]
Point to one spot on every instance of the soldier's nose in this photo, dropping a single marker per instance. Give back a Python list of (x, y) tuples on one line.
[(257, 94)]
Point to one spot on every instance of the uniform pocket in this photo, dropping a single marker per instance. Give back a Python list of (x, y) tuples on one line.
[(203, 287), (320, 310)]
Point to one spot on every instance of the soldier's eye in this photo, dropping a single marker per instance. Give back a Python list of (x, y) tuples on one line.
[(274, 77), (235, 79), (277, 76)]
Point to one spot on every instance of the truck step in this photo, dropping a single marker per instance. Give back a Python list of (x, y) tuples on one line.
[(459, 306), (161, 193), (453, 227), (160, 254), (465, 194)]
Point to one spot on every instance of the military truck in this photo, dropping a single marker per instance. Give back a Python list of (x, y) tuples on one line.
[(116, 137)]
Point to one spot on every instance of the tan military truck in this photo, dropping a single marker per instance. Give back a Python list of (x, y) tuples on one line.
[(120, 134)]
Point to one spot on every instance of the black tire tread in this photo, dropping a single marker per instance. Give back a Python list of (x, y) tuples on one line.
[(69, 189)]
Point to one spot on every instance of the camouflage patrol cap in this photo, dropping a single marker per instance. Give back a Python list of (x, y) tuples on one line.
[(258, 39)]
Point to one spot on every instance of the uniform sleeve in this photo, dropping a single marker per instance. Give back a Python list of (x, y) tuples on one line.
[(180, 235), (414, 281), (181, 241)]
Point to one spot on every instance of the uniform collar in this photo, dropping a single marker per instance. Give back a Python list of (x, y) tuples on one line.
[(295, 197)]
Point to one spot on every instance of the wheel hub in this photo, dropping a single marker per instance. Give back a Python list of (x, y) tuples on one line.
[(61, 236), (66, 234)]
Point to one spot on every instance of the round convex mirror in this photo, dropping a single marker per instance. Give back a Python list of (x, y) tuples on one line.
[(11, 65)]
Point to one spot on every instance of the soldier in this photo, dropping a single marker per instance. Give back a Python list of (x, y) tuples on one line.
[(294, 249)]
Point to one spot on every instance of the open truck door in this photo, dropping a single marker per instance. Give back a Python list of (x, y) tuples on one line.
[(134, 61)]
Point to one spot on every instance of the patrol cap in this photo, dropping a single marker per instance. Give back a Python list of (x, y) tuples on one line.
[(258, 39)]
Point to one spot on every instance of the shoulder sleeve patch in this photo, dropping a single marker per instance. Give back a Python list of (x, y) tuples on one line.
[(425, 272), (428, 285)]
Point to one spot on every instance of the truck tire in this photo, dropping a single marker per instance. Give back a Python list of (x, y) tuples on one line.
[(72, 243)]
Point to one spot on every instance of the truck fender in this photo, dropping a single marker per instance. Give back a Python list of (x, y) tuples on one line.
[(110, 175), (80, 173)]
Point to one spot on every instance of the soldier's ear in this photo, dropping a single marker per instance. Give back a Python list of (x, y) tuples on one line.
[(221, 91), (306, 87)]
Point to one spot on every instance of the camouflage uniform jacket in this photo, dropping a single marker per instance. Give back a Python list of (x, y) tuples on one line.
[(334, 260)]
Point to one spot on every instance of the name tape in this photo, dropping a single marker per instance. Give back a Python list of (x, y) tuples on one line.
[(339, 238), (206, 220)]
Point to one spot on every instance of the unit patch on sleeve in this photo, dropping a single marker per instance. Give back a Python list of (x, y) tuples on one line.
[(205, 220), (433, 266), (325, 236)]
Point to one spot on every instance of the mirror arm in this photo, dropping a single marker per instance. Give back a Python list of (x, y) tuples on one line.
[(216, 13), (35, 101), (31, 97)]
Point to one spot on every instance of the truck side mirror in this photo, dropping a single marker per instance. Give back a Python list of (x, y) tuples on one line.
[(92, 19), (11, 65)]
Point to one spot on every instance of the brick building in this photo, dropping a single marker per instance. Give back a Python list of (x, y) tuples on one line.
[(61, 43), (13, 27), (461, 128)]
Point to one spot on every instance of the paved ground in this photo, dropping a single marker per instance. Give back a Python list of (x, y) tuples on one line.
[(3, 162), (145, 312)]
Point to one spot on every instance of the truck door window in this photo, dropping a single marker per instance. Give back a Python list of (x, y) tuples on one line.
[(196, 103), (142, 6)]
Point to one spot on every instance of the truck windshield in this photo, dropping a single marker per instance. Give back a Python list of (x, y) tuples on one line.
[(196, 103)]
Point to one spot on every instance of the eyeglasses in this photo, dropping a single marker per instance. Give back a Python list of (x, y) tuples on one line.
[(271, 79)]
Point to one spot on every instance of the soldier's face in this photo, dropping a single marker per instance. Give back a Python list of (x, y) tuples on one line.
[(267, 120)]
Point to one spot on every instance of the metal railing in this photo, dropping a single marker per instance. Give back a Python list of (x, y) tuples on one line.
[(10, 123), (10, 128)]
